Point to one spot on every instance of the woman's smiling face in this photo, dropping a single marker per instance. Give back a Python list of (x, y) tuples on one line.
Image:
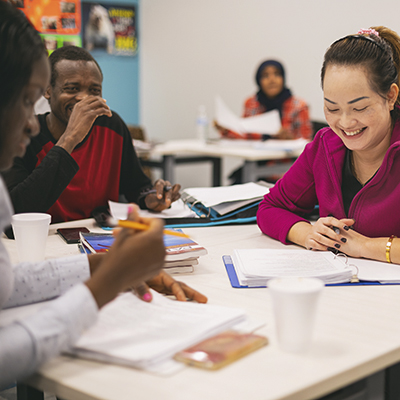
[(355, 112)]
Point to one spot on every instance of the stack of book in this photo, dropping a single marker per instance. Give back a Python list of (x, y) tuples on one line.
[(182, 254)]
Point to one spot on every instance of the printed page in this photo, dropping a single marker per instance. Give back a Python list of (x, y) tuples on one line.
[(211, 196), (143, 334), (178, 209), (376, 271), (266, 123), (268, 263)]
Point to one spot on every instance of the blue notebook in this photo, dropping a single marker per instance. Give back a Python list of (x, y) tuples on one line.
[(230, 269)]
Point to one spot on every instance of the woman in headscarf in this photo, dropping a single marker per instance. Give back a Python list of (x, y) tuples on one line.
[(274, 95)]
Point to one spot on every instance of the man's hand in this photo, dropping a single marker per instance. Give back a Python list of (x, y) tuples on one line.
[(160, 199), (81, 120)]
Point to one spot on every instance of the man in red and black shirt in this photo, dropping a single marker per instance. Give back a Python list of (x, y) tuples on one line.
[(83, 155)]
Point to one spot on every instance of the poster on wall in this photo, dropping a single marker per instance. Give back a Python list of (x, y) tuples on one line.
[(53, 16), (109, 28), (58, 21)]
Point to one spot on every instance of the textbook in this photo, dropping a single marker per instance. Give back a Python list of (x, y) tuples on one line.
[(254, 267), (177, 248), (96, 242), (145, 335)]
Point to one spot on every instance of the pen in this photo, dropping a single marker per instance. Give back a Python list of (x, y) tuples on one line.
[(154, 191), (144, 227), (336, 230)]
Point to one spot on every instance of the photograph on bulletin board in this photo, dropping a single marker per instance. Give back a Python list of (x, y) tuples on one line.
[(109, 28), (60, 17), (53, 42)]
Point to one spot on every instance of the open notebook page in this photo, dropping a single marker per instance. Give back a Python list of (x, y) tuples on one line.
[(132, 332)]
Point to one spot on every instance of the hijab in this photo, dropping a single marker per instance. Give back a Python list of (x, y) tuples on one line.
[(276, 102)]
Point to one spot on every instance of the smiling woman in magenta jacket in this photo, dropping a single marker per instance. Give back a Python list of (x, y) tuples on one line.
[(352, 168)]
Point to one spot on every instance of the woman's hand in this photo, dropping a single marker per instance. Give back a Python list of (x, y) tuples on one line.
[(166, 284), (284, 134), (134, 257), (162, 199), (327, 233)]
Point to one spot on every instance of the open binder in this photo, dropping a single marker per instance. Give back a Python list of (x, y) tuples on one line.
[(368, 272), (239, 206)]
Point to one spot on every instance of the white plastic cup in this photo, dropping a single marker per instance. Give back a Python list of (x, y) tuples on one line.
[(294, 302), (30, 233)]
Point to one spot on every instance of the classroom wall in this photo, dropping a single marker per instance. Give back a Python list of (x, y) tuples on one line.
[(193, 50), (121, 75)]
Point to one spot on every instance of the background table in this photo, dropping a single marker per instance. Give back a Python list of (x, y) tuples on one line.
[(177, 152), (357, 334)]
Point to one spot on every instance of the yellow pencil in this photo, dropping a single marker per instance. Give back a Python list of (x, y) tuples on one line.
[(143, 227)]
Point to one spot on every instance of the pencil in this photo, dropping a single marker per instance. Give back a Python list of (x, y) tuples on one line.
[(143, 227)]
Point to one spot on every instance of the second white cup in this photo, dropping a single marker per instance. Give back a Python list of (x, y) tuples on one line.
[(294, 302), (30, 233)]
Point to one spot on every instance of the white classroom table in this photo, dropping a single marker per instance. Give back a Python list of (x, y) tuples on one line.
[(187, 151), (357, 334)]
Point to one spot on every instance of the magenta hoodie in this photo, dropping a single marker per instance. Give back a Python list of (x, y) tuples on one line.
[(316, 178)]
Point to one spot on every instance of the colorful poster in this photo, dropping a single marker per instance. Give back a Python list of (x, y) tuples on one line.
[(109, 28), (53, 42), (53, 16)]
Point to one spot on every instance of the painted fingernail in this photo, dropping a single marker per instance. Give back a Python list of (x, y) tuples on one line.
[(344, 240), (331, 249), (337, 245), (310, 248), (147, 297), (346, 228), (130, 208)]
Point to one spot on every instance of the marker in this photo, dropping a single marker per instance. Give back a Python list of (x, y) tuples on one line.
[(144, 227)]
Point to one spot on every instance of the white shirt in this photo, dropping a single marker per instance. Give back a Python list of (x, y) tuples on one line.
[(29, 342)]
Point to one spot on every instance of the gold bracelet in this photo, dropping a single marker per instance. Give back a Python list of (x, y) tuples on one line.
[(388, 247)]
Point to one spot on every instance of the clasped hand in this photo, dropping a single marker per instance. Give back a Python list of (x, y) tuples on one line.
[(330, 233)]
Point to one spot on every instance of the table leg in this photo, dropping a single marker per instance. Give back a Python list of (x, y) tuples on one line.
[(25, 392), (392, 382), (169, 168), (249, 172), (216, 172)]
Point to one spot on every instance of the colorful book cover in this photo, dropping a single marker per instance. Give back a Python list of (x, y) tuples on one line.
[(177, 248)]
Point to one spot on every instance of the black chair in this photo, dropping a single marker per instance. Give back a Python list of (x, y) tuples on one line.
[(317, 125)]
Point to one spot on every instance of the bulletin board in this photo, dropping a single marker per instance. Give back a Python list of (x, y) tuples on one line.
[(53, 16), (58, 21)]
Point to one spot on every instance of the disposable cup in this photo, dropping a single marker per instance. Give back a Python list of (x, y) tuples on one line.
[(30, 233), (294, 302)]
